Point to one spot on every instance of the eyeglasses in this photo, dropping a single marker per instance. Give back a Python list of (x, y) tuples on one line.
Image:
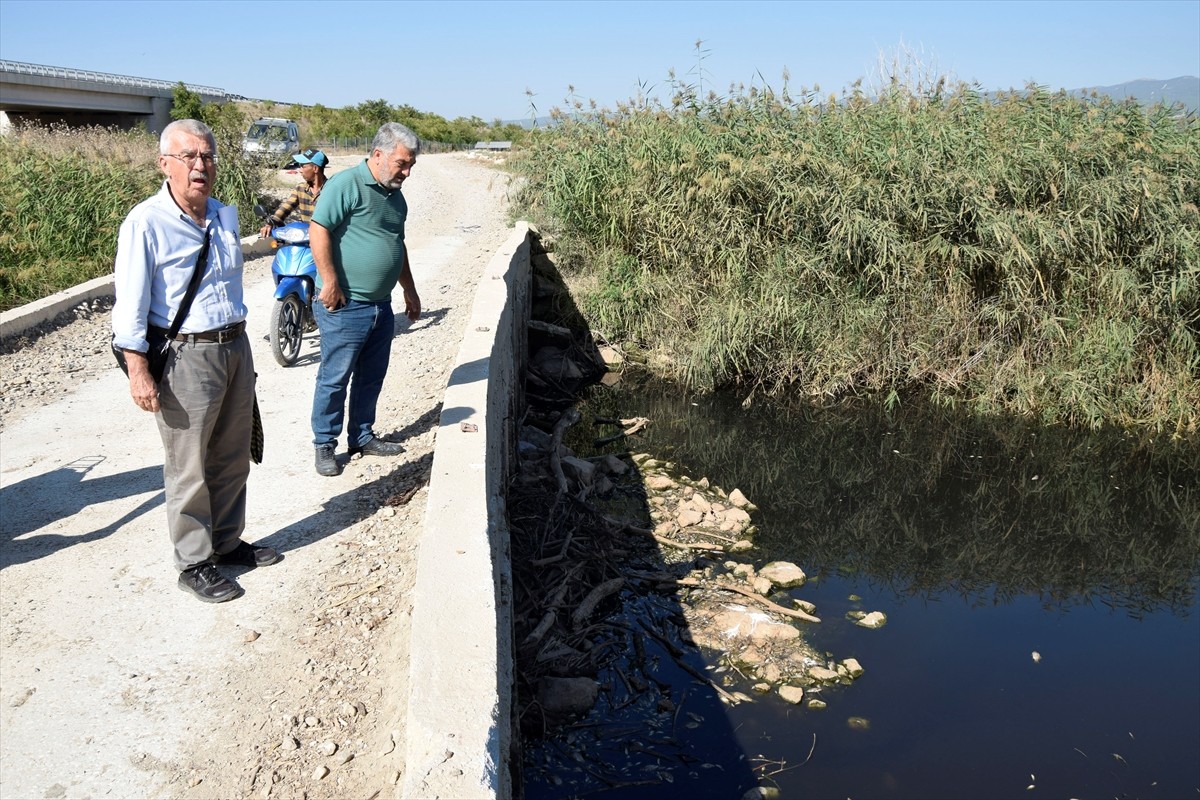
[(189, 158)]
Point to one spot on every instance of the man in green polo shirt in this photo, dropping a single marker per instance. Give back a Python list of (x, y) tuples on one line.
[(357, 239)]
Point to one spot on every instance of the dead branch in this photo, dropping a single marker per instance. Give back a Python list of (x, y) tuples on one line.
[(344, 600), (554, 331), (677, 655), (619, 525), (548, 619), (593, 599), (622, 422), (688, 545), (635, 424), (715, 536), (758, 598), (562, 553), (569, 418)]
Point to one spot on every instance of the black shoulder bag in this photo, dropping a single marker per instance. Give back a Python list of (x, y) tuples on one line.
[(160, 342)]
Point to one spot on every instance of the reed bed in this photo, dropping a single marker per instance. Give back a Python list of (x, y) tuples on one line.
[(1031, 253), (66, 192)]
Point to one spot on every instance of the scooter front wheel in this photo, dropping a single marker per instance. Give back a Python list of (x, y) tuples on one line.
[(287, 329)]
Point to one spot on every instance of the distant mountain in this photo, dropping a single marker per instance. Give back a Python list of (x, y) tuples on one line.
[(1184, 90)]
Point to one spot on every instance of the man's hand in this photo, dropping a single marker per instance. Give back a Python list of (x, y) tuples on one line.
[(265, 231), (412, 304), (331, 296), (321, 245), (412, 300), (142, 388)]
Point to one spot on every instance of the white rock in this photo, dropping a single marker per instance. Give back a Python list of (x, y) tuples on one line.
[(876, 619), (784, 574), (756, 626), (822, 674), (793, 694), (659, 482), (762, 793), (737, 516)]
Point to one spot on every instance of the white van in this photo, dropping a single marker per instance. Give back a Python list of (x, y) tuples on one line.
[(272, 139)]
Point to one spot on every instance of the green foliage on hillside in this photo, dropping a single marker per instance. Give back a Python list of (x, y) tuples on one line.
[(320, 124), (1037, 254)]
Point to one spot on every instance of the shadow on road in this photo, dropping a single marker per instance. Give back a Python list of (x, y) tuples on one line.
[(37, 502), (428, 319), (348, 508)]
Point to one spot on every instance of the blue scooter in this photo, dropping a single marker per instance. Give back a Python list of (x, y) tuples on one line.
[(295, 275)]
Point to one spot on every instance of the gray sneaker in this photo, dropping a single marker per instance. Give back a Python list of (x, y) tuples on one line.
[(326, 461)]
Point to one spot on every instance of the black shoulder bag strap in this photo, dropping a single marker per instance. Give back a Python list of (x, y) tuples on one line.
[(193, 285)]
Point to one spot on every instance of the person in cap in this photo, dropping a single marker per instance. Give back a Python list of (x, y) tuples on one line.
[(204, 402), (304, 197)]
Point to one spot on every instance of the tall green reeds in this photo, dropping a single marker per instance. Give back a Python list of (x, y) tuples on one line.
[(65, 192), (64, 195), (1032, 253)]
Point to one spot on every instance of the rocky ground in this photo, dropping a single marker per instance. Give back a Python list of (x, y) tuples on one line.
[(117, 684)]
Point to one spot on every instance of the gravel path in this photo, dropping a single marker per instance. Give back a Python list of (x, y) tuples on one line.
[(117, 684)]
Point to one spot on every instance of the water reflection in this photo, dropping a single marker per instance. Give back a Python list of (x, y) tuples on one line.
[(983, 540), (928, 500)]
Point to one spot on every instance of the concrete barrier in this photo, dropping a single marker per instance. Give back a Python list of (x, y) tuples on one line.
[(16, 321), (459, 725)]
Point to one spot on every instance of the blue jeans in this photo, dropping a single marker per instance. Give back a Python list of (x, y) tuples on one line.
[(356, 344)]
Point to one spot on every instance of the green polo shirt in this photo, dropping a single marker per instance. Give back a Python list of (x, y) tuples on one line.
[(366, 225)]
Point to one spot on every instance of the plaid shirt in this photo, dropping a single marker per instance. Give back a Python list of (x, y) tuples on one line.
[(301, 200)]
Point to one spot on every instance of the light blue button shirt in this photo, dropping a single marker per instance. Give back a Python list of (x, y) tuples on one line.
[(156, 253)]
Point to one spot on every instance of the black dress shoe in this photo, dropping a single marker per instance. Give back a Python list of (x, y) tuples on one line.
[(326, 461), (250, 555), (378, 447), (204, 581)]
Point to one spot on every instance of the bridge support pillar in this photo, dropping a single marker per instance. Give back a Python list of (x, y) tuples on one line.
[(160, 114)]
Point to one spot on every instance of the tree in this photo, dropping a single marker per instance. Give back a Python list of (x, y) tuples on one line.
[(185, 104)]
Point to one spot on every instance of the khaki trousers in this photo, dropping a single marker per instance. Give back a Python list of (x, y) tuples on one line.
[(207, 401)]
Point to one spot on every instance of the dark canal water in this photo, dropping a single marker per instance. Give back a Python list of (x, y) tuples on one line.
[(984, 541)]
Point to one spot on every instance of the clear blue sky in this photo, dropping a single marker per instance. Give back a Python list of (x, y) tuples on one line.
[(479, 58)]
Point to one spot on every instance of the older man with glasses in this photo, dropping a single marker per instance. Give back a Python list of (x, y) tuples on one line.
[(204, 400)]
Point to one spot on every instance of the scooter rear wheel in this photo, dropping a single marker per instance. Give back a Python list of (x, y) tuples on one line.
[(287, 329)]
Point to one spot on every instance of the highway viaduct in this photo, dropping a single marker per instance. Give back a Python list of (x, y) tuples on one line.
[(46, 95)]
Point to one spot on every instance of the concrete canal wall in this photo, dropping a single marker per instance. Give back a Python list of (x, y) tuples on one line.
[(459, 725)]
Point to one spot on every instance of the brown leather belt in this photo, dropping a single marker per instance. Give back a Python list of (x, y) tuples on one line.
[(220, 336)]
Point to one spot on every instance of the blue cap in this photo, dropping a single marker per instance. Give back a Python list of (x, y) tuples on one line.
[(311, 156)]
